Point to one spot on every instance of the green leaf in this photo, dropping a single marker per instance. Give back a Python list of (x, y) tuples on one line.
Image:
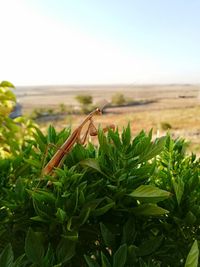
[(149, 193), (40, 135), (126, 136), (154, 149), (61, 215), (84, 215), (140, 143), (39, 209), (7, 96), (104, 260), (103, 210), (42, 196), (149, 246), (41, 140), (38, 219), (20, 261), (33, 247), (108, 237), (91, 163), (190, 218), (129, 232), (49, 257), (51, 137), (115, 138), (149, 210), (193, 182), (142, 263), (131, 255), (71, 235), (6, 84), (178, 189), (102, 140), (91, 262), (6, 257), (65, 250), (193, 256), (119, 258), (150, 133), (33, 162)]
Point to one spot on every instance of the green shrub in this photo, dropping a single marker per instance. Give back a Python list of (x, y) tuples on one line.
[(165, 126), (13, 132), (84, 99), (112, 205), (118, 99), (86, 103)]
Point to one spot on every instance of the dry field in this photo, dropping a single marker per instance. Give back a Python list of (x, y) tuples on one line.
[(176, 105)]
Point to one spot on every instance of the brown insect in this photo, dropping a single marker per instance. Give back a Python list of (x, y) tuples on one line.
[(57, 159)]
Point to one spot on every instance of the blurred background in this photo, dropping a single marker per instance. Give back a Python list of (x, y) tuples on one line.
[(140, 57)]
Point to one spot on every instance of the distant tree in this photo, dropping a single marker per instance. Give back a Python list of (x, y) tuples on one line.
[(166, 126), (118, 99), (84, 99)]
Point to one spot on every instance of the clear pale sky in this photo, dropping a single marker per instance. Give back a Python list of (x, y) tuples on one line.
[(99, 41)]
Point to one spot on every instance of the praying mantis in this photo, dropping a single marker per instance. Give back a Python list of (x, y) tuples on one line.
[(57, 159)]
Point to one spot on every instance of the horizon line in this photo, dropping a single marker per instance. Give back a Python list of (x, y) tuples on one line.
[(108, 84)]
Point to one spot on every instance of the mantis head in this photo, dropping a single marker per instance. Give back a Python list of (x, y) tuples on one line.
[(98, 111), (102, 104)]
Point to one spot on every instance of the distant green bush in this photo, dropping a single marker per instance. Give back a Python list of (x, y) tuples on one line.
[(118, 99), (85, 102), (84, 99), (165, 126)]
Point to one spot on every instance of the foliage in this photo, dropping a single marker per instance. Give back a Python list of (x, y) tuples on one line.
[(12, 131), (180, 175), (84, 99), (118, 99), (193, 256), (128, 202), (85, 102), (165, 126)]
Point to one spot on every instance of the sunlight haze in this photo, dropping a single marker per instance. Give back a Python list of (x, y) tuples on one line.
[(99, 42)]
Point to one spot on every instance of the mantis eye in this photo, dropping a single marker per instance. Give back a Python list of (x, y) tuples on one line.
[(98, 110)]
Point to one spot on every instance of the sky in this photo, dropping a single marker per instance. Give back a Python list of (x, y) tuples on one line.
[(51, 42)]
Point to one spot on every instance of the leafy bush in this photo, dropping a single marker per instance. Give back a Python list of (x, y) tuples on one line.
[(118, 99), (86, 103), (128, 202), (165, 126), (112, 205), (13, 132), (84, 99), (180, 175)]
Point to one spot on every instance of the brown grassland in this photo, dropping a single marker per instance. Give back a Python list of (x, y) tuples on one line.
[(177, 106)]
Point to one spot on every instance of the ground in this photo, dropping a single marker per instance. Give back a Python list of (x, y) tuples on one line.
[(158, 107)]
